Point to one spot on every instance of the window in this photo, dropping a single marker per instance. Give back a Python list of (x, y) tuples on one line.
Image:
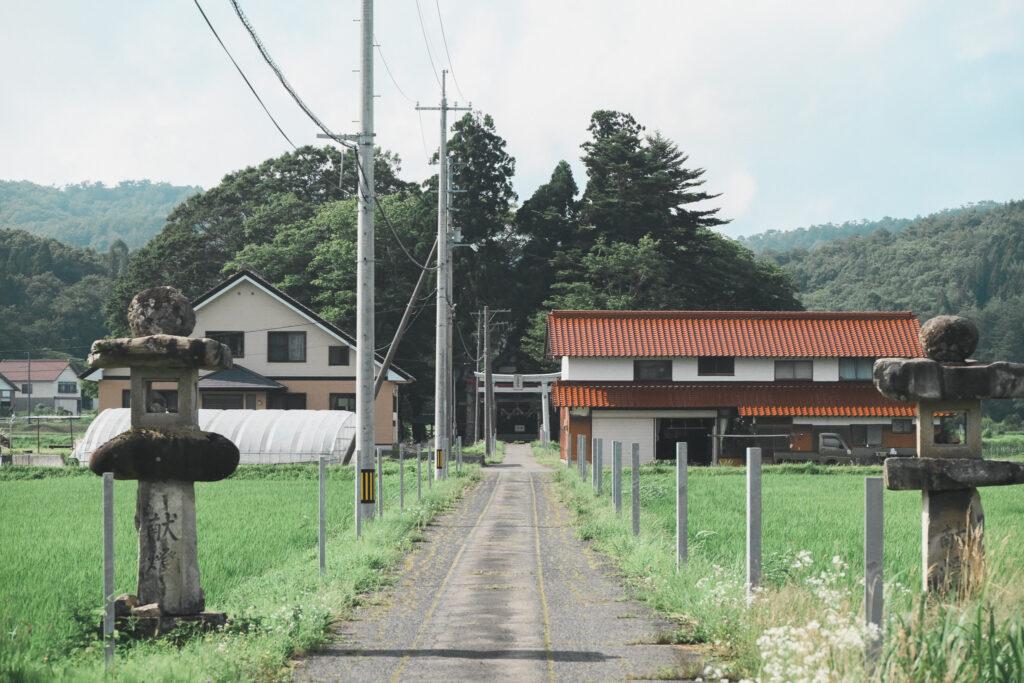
[(716, 365), (286, 347), (26, 388), (652, 369), (222, 401), (343, 402), (288, 402), (67, 388), (831, 442), (855, 368), (337, 355), (794, 369), (902, 426), (867, 435), (234, 341)]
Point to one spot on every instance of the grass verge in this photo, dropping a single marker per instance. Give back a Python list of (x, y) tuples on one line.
[(258, 561), (806, 623)]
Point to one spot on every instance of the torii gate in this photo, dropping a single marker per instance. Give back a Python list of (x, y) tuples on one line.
[(519, 386)]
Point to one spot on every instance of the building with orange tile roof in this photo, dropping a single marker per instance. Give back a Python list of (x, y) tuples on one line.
[(725, 380)]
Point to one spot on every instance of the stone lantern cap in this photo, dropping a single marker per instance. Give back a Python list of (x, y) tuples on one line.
[(164, 444), (160, 351), (946, 374)]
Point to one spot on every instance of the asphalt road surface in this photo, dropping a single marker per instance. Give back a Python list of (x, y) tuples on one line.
[(501, 590)]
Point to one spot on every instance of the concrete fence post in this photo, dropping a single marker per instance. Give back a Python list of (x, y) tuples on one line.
[(380, 482), (617, 475), (753, 518), (635, 485), (419, 475), (599, 469), (874, 545), (323, 514), (581, 446), (108, 568), (681, 521), (401, 477)]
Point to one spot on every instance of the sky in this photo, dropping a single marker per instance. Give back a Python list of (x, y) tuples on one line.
[(800, 112)]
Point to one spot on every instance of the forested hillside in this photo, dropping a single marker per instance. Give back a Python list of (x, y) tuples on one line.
[(966, 262), (817, 235), (91, 214), (52, 294), (631, 239)]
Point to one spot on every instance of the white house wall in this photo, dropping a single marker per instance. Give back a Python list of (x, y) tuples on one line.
[(628, 430), (826, 369), (597, 369), (244, 306), (606, 369)]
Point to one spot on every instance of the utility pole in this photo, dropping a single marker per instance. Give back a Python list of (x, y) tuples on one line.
[(442, 365), (487, 383), (364, 500), (365, 394)]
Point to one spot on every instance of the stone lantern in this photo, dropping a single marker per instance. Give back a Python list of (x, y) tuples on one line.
[(948, 390), (165, 451)]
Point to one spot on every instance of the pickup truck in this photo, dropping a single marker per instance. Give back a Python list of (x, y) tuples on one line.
[(832, 449)]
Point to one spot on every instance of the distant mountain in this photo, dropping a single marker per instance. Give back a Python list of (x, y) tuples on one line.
[(91, 214), (968, 262), (816, 235)]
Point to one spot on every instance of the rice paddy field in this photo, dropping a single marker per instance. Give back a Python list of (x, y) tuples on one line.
[(258, 558), (806, 623)]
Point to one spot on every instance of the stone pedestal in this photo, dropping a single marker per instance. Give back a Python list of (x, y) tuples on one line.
[(165, 517), (952, 525)]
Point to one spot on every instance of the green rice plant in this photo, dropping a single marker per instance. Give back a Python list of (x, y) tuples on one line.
[(258, 557), (807, 619)]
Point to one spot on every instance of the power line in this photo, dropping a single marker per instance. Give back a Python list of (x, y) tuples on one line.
[(280, 76), (391, 75), (427, 42), (242, 74), (444, 38)]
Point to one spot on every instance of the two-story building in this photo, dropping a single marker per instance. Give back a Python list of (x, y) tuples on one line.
[(286, 357), (723, 381), (6, 395), (52, 383)]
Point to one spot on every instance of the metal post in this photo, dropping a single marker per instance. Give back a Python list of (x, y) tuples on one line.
[(545, 430), (365, 264), (380, 481), (635, 481), (617, 475), (682, 462), (600, 464), (323, 514), (753, 518), (581, 455), (488, 378), (401, 478), (873, 555), (108, 568), (419, 475)]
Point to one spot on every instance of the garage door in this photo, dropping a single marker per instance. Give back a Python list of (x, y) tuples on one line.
[(628, 430)]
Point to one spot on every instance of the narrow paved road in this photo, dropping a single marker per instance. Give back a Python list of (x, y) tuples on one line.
[(500, 591)]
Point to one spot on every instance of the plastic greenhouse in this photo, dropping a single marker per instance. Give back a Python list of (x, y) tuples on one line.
[(263, 437)]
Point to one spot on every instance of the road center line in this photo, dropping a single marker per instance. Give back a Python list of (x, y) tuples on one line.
[(444, 584)]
